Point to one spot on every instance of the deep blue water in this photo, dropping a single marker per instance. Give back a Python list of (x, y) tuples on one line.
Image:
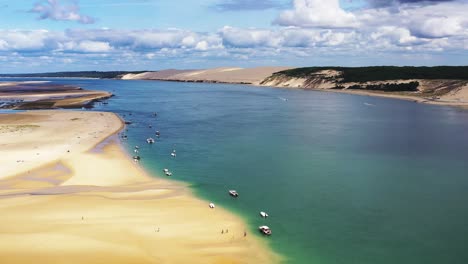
[(345, 178)]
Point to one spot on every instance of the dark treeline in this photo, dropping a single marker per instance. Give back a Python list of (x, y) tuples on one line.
[(382, 73), (80, 74), (388, 87)]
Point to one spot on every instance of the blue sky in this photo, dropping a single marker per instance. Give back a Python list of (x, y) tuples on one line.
[(56, 35)]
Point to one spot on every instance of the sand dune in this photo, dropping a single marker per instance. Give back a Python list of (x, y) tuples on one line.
[(222, 75), (100, 207)]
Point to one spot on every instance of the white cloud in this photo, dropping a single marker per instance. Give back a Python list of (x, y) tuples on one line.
[(317, 14), (396, 36), (237, 37), (55, 10), (93, 46), (202, 46)]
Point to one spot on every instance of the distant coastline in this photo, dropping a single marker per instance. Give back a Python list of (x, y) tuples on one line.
[(441, 85), (445, 85)]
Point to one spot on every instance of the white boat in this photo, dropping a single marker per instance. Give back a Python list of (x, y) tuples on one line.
[(212, 205), (263, 214), (168, 173), (233, 193), (150, 140), (173, 154), (166, 170), (265, 230), (135, 150), (158, 133), (137, 147)]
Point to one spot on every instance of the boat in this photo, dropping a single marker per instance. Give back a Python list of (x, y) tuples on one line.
[(136, 157), (158, 133), (137, 147), (265, 230), (212, 205), (233, 193), (173, 154), (165, 170), (150, 140), (135, 150), (263, 214), (168, 173)]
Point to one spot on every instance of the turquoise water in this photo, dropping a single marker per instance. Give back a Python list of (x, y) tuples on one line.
[(345, 179)]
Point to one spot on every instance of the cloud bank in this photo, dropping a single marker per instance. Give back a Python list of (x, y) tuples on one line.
[(310, 32)]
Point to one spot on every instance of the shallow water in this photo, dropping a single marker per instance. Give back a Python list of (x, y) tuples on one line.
[(344, 178)]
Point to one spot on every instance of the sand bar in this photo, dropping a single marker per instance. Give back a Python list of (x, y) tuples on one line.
[(46, 95), (71, 205)]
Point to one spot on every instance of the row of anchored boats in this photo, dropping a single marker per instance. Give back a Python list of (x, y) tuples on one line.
[(263, 229)]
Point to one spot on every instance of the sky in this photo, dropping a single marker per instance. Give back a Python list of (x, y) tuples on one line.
[(75, 35)]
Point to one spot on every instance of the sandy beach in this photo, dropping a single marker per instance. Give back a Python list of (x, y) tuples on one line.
[(66, 201)]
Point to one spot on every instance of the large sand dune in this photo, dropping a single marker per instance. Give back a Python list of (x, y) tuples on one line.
[(221, 75)]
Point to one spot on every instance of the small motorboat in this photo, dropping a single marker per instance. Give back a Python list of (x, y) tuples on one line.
[(136, 157), (233, 193), (265, 230), (263, 214), (137, 147), (135, 150), (150, 140), (173, 154), (166, 170), (212, 205), (158, 133), (168, 173)]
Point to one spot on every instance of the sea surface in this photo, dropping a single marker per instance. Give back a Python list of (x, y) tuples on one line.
[(345, 178)]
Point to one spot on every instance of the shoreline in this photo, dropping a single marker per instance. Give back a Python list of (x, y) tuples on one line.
[(119, 214), (415, 99)]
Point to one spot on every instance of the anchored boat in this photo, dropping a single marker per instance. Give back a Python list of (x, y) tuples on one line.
[(265, 230)]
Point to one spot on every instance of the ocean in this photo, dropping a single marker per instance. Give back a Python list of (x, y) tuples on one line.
[(344, 178)]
